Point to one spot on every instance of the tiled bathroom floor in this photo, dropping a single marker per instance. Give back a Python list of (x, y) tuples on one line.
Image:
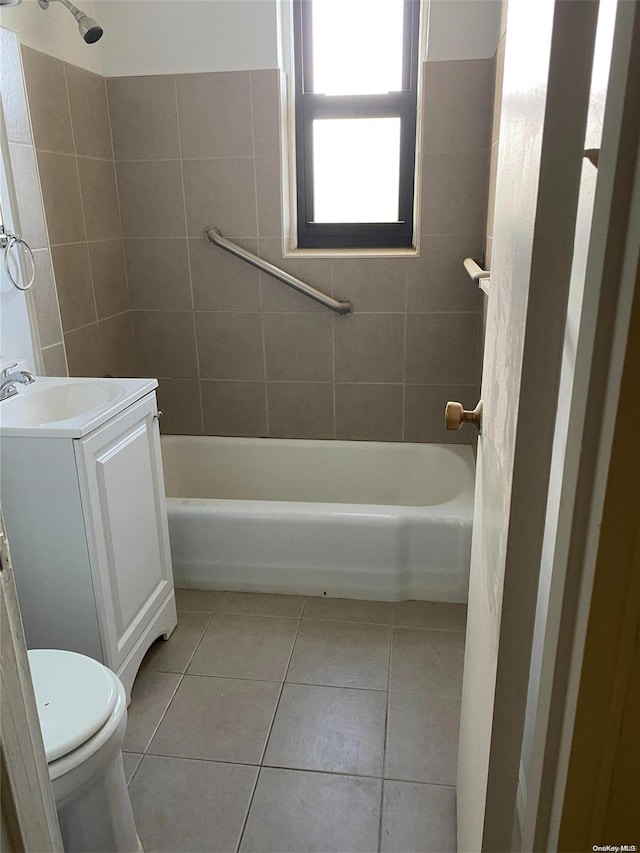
[(284, 723)]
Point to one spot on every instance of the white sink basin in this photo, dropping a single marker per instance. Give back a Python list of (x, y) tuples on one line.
[(68, 407)]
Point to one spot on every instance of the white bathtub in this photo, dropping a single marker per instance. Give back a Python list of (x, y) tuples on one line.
[(343, 518)]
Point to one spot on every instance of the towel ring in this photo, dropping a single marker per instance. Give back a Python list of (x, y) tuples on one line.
[(8, 241)]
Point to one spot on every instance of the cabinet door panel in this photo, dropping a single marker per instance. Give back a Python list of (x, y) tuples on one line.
[(127, 525)]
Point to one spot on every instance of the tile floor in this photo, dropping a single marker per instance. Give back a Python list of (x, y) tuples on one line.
[(274, 723)]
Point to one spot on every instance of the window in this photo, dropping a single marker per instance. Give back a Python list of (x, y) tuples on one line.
[(356, 68)]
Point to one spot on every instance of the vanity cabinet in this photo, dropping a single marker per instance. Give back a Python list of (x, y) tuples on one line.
[(86, 520)]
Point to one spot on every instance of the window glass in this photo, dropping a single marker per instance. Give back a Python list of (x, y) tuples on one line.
[(357, 46), (356, 169)]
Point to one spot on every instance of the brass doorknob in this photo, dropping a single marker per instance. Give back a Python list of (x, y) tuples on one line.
[(455, 416)]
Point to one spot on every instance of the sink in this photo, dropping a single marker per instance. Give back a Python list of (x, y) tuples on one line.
[(60, 402), (68, 407)]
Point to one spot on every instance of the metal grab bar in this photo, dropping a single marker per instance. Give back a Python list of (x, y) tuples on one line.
[(213, 235)]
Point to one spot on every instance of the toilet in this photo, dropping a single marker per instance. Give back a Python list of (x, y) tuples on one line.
[(83, 716)]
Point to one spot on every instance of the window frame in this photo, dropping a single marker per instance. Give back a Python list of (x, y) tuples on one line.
[(309, 106)]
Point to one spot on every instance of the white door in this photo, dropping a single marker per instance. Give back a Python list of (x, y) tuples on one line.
[(545, 102)]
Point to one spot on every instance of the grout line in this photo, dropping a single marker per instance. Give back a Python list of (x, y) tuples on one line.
[(268, 737), (386, 727), (260, 278), (186, 229)]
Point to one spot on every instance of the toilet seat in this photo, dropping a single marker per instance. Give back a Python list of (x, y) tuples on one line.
[(75, 696)]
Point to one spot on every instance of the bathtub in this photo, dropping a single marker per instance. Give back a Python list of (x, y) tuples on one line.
[(352, 519)]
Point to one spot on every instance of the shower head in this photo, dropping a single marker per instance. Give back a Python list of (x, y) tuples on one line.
[(90, 30)]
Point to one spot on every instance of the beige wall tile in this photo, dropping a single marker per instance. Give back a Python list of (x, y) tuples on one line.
[(158, 273), (84, 353), (277, 296), (269, 192), (220, 281), (458, 99), (48, 103), (300, 409), (54, 361), (151, 200), (230, 345), (437, 279), (27, 187), (234, 408), (266, 119), (298, 347), (100, 199), (370, 348), (220, 193), (45, 300), (372, 284), (144, 118), (454, 192), (89, 113), (369, 412), (214, 113), (442, 348), (165, 344), (62, 200), (12, 91), (424, 413), (118, 346), (179, 401), (109, 277), (74, 286)]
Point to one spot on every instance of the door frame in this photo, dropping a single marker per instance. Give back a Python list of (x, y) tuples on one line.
[(610, 285), (606, 314), (29, 819)]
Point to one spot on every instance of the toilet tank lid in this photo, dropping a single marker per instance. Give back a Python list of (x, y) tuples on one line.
[(75, 696)]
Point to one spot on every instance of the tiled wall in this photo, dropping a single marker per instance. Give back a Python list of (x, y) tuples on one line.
[(238, 353), (72, 137)]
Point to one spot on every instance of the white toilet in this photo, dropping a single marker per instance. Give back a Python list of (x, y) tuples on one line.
[(83, 715)]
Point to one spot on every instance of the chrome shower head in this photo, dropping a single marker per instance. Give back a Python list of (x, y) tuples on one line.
[(90, 30)]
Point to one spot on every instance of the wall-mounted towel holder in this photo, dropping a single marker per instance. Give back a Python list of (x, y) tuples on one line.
[(476, 273)]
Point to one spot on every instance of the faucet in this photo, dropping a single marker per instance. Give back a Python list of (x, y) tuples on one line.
[(9, 377)]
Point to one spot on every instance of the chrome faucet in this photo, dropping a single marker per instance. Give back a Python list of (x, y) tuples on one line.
[(9, 377)]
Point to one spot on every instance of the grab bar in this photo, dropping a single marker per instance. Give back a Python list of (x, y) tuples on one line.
[(476, 273), (213, 235)]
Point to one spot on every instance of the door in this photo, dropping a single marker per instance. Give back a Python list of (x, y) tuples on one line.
[(126, 519), (28, 813), (546, 89)]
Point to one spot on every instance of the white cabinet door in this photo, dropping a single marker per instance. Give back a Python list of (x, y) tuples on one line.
[(120, 472)]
